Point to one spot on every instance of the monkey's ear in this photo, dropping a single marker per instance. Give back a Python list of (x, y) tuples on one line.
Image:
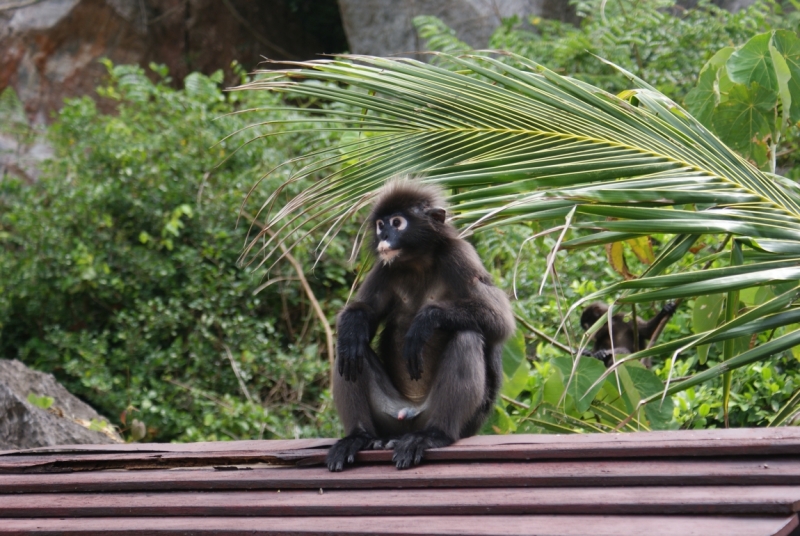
[(437, 213)]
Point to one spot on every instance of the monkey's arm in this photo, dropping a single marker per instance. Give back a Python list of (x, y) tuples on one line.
[(492, 320), (646, 329), (357, 325)]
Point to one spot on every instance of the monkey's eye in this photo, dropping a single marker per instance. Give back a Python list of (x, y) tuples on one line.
[(380, 225), (399, 223)]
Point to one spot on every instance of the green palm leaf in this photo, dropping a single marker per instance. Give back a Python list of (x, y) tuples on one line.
[(516, 142)]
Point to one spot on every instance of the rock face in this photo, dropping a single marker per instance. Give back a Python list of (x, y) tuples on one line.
[(24, 425), (50, 49), (384, 27)]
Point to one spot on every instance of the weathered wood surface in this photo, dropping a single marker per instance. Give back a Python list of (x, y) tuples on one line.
[(775, 500), (580, 473), (272, 445), (545, 525), (690, 443), (731, 482)]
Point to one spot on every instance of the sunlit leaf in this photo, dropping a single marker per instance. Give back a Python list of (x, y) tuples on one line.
[(705, 317), (753, 63), (705, 96), (788, 46), (741, 121), (582, 382)]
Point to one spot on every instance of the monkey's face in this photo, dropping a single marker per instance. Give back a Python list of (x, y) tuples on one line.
[(592, 314), (390, 231)]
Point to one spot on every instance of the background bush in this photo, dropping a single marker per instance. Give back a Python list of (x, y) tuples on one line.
[(118, 269)]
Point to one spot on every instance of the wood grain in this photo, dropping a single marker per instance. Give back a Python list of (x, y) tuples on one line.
[(685, 443), (545, 525), (773, 500), (658, 472)]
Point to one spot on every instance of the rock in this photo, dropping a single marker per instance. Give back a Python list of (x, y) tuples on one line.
[(24, 425), (384, 27), (49, 49)]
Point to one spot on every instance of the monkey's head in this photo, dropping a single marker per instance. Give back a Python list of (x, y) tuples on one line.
[(592, 314), (409, 220)]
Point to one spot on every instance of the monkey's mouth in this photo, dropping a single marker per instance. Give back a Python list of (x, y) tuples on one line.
[(386, 253)]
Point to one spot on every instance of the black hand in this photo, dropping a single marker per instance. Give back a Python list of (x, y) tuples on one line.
[(353, 344)]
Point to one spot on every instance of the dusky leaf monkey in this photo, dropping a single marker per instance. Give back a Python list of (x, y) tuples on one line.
[(624, 341), (437, 369)]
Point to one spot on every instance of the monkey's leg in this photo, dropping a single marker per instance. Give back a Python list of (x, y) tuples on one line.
[(456, 395), (363, 406)]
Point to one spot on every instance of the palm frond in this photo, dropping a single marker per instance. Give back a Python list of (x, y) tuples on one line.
[(515, 142)]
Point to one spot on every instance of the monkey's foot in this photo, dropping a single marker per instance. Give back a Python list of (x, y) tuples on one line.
[(345, 450), (410, 448)]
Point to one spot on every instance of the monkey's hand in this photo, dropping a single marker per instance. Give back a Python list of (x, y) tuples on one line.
[(352, 345), (423, 326)]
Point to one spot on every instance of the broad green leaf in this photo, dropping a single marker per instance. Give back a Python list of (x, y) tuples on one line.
[(517, 383), (500, 422), (719, 59), (724, 85), (784, 76), (787, 45), (704, 97), (753, 63), (743, 121), (647, 384), (630, 394), (582, 386), (514, 353), (755, 295), (553, 389), (705, 316)]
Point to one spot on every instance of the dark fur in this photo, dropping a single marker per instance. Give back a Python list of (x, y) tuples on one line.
[(437, 370), (624, 340)]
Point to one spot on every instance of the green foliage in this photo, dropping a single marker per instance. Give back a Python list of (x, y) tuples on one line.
[(656, 40), (750, 95), (118, 270)]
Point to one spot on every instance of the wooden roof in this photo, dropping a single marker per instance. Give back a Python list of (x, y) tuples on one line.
[(707, 482)]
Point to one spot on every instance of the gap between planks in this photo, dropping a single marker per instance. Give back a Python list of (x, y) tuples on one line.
[(754, 500), (582, 473), (544, 525)]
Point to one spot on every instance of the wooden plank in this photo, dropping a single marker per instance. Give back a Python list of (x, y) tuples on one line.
[(583, 473), (530, 447), (544, 525), (270, 445), (756, 500), (55, 463), (657, 437)]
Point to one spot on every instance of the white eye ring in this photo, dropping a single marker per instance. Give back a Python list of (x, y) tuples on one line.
[(399, 222), (380, 226)]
